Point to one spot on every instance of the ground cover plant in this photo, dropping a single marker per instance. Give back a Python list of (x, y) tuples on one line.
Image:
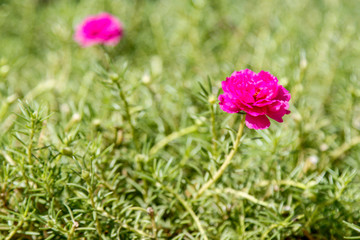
[(122, 141)]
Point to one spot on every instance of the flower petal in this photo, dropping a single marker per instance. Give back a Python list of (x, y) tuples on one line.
[(254, 110), (277, 110), (99, 29), (283, 94), (227, 105), (257, 123), (267, 85), (257, 94), (263, 102), (247, 74)]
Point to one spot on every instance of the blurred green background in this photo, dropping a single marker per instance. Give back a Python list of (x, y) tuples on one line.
[(180, 43), (313, 47)]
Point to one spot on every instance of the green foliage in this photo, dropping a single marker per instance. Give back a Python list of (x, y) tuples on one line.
[(115, 143)]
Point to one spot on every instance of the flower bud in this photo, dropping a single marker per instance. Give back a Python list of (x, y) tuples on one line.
[(50, 223), (76, 117), (12, 98), (150, 211), (85, 175), (67, 151), (146, 78), (35, 114), (324, 147), (96, 123), (114, 77), (200, 121), (156, 64), (119, 137), (4, 70), (297, 117), (303, 63), (140, 158), (212, 99)]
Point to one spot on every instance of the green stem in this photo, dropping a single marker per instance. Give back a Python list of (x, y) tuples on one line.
[(172, 137), (213, 130), (29, 148), (227, 161), (264, 235), (150, 212), (344, 148), (157, 105), (22, 221), (13, 232), (191, 212), (24, 172), (98, 227), (287, 183), (124, 225), (242, 194), (127, 112), (72, 230)]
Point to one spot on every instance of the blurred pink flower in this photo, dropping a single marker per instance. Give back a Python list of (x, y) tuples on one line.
[(99, 29), (257, 94)]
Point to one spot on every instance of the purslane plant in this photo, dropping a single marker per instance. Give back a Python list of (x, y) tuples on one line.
[(255, 95), (81, 175)]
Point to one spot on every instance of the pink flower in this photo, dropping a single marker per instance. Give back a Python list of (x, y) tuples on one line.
[(99, 29), (257, 94)]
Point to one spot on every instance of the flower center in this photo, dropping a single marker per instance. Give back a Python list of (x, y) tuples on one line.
[(257, 92)]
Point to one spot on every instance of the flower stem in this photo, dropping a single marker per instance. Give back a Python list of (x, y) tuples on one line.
[(227, 161), (127, 112), (344, 148), (91, 196), (13, 232), (29, 148), (242, 194), (189, 210), (162, 143), (213, 130), (22, 221), (122, 224), (72, 230), (150, 212)]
